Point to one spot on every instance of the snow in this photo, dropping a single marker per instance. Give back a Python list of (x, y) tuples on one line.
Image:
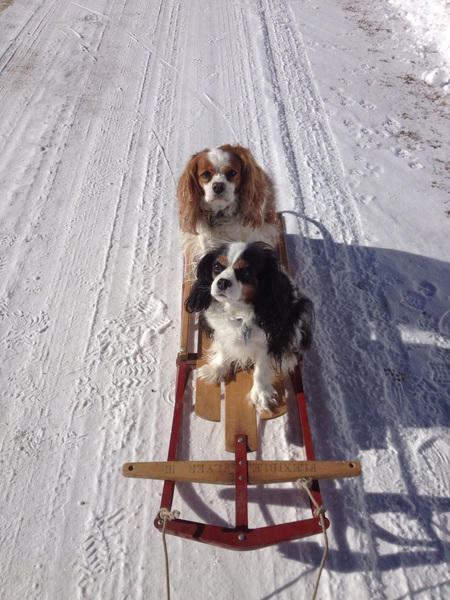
[(102, 103), (430, 22)]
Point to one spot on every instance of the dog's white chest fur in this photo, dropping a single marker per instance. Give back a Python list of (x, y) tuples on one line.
[(224, 232), (235, 328), (240, 342)]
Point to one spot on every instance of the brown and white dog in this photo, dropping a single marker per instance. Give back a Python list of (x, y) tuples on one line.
[(225, 196)]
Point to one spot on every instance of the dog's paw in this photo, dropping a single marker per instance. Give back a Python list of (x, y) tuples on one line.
[(212, 374), (263, 398)]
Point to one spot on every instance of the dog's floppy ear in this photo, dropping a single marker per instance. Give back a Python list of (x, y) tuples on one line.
[(189, 194), (200, 297), (279, 310), (275, 295), (254, 189), (305, 312)]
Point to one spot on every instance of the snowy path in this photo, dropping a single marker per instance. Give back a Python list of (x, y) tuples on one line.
[(101, 104)]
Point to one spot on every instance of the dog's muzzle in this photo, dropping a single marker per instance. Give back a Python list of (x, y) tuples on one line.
[(218, 188)]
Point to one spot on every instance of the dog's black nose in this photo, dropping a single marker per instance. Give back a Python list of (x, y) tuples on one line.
[(218, 187), (223, 284)]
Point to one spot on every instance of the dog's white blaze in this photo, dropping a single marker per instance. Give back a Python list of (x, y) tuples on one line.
[(219, 159), (232, 293), (235, 251)]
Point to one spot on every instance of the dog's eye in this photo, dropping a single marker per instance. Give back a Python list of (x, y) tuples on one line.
[(218, 268), (206, 175), (245, 274), (231, 173)]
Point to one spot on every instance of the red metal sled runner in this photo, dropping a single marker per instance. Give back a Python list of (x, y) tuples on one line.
[(241, 438)]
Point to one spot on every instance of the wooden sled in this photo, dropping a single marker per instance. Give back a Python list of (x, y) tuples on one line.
[(240, 439)]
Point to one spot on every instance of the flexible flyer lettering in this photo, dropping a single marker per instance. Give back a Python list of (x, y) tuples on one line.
[(283, 467), (219, 467)]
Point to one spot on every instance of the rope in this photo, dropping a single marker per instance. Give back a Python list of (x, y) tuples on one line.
[(302, 484), (305, 484), (166, 515)]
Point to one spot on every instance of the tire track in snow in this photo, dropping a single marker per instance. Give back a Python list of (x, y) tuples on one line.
[(46, 142), (83, 222), (310, 153), (333, 267), (143, 231), (318, 190), (26, 262), (21, 48)]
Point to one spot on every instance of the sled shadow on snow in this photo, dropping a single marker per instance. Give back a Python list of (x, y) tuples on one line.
[(379, 392), (377, 381)]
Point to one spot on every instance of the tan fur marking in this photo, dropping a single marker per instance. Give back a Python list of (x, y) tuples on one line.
[(248, 293), (223, 260), (240, 264)]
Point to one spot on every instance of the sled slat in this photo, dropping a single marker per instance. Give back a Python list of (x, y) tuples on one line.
[(207, 396), (259, 471), (240, 415), (187, 319), (185, 324), (282, 249)]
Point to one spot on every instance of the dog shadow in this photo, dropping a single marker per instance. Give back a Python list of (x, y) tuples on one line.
[(377, 382)]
